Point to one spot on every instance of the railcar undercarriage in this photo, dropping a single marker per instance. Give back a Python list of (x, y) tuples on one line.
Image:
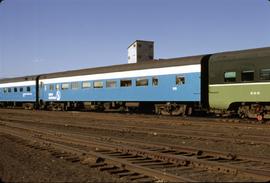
[(259, 111), (171, 109)]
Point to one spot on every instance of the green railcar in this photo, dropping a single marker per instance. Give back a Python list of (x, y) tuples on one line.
[(239, 82)]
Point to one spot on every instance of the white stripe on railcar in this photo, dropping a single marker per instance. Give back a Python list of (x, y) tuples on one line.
[(240, 84), (17, 84), (128, 74)]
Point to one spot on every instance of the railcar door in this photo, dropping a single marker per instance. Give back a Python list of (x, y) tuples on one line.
[(41, 94)]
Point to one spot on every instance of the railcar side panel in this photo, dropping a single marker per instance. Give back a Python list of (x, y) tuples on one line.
[(13, 92), (239, 77), (224, 95), (166, 90)]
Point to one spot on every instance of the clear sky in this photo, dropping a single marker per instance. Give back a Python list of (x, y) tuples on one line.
[(42, 36)]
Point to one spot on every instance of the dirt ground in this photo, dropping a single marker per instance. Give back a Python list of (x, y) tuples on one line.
[(19, 163)]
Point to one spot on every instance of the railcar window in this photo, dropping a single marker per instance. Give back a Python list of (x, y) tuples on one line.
[(180, 80), (265, 74), (125, 83), (229, 76), (154, 81), (15, 89), (9, 90), (247, 75), (57, 86), (111, 84), (142, 82), (98, 84), (5, 90), (51, 87), (28, 88), (65, 86), (75, 85), (86, 84), (21, 89)]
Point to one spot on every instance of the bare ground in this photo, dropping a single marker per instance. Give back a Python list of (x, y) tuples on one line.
[(19, 163)]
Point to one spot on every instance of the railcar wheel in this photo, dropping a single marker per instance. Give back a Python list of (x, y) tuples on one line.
[(242, 115), (259, 117)]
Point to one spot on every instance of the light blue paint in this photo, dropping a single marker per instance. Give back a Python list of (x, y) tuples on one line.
[(166, 91), (18, 96)]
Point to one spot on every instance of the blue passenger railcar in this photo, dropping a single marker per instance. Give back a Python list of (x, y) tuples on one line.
[(173, 84), (18, 92)]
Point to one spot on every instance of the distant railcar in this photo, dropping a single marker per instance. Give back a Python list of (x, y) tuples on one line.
[(223, 83), (18, 92)]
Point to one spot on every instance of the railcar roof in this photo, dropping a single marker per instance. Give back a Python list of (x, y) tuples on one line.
[(232, 55), (148, 64), (127, 67), (115, 68), (18, 79)]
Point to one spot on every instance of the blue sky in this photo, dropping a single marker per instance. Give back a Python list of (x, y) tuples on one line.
[(38, 36)]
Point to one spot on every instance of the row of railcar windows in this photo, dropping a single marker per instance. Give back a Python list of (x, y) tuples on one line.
[(112, 83), (179, 80), (15, 90), (247, 75)]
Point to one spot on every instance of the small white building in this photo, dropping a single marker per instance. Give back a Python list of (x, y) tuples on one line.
[(140, 51)]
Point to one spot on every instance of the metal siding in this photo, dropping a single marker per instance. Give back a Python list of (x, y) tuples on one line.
[(165, 91), (19, 96), (237, 61), (221, 96)]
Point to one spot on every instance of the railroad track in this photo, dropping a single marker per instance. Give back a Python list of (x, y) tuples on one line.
[(243, 138), (147, 162), (148, 118)]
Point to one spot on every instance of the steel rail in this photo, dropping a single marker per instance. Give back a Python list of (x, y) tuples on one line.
[(107, 159), (179, 133), (172, 158)]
